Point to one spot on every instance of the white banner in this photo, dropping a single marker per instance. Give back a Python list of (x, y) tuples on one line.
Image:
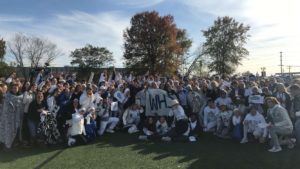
[(256, 99), (157, 102), (119, 96)]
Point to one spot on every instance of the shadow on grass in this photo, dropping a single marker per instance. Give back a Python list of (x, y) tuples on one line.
[(20, 152), (210, 152)]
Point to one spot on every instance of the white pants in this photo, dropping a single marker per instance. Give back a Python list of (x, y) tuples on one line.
[(257, 132), (112, 122), (210, 126)]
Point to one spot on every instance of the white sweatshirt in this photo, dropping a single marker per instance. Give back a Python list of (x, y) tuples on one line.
[(236, 120), (77, 124), (210, 115), (253, 121)]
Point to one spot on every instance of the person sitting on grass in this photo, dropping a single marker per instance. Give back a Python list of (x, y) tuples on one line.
[(255, 124), (280, 125), (162, 127), (211, 113), (90, 127), (107, 122), (131, 118), (77, 129), (195, 127), (237, 132), (155, 131), (149, 129), (224, 122), (180, 127)]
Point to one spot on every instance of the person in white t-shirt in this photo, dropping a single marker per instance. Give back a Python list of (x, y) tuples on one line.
[(211, 113), (224, 122), (224, 100), (255, 124)]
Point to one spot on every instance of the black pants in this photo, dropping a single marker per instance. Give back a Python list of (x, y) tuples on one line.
[(80, 139)]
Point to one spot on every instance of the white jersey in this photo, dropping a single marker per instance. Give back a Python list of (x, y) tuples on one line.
[(210, 115), (254, 121)]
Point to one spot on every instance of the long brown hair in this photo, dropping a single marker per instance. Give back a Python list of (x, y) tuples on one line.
[(272, 99)]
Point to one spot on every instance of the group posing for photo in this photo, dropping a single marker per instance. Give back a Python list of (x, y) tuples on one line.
[(63, 110)]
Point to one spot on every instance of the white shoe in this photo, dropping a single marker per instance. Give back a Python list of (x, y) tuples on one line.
[(110, 131), (143, 137), (192, 139), (275, 150), (71, 142), (166, 139), (244, 140)]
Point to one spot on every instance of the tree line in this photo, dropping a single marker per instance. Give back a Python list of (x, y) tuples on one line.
[(152, 43)]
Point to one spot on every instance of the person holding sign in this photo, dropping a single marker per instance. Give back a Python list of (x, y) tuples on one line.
[(256, 99)]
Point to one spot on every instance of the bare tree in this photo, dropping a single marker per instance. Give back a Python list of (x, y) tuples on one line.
[(33, 50), (41, 51), (17, 47), (36, 51)]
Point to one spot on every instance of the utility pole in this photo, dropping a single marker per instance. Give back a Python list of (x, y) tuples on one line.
[(281, 64), (289, 67)]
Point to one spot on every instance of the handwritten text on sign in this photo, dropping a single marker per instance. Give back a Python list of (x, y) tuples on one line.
[(157, 102)]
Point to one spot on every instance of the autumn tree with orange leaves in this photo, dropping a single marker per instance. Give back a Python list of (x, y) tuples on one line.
[(154, 43)]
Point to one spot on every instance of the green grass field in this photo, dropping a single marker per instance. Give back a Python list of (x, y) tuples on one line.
[(124, 151)]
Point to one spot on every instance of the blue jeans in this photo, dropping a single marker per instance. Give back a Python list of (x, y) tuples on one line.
[(32, 126)]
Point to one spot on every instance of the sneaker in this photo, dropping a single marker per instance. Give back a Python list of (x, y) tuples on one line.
[(110, 131), (275, 150), (244, 140), (291, 145), (192, 139), (166, 139), (143, 137)]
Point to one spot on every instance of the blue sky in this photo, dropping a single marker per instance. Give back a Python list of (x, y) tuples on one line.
[(71, 24)]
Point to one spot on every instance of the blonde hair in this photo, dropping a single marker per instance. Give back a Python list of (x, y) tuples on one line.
[(273, 100)]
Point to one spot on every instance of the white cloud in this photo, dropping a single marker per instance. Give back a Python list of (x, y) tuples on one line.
[(74, 30), (7, 18), (139, 3), (274, 28)]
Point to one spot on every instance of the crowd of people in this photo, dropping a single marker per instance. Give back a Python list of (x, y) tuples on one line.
[(65, 110)]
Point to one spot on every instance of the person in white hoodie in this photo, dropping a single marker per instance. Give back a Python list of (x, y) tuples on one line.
[(77, 130), (131, 118), (255, 124)]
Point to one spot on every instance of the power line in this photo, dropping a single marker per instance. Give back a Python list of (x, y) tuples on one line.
[(281, 64)]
